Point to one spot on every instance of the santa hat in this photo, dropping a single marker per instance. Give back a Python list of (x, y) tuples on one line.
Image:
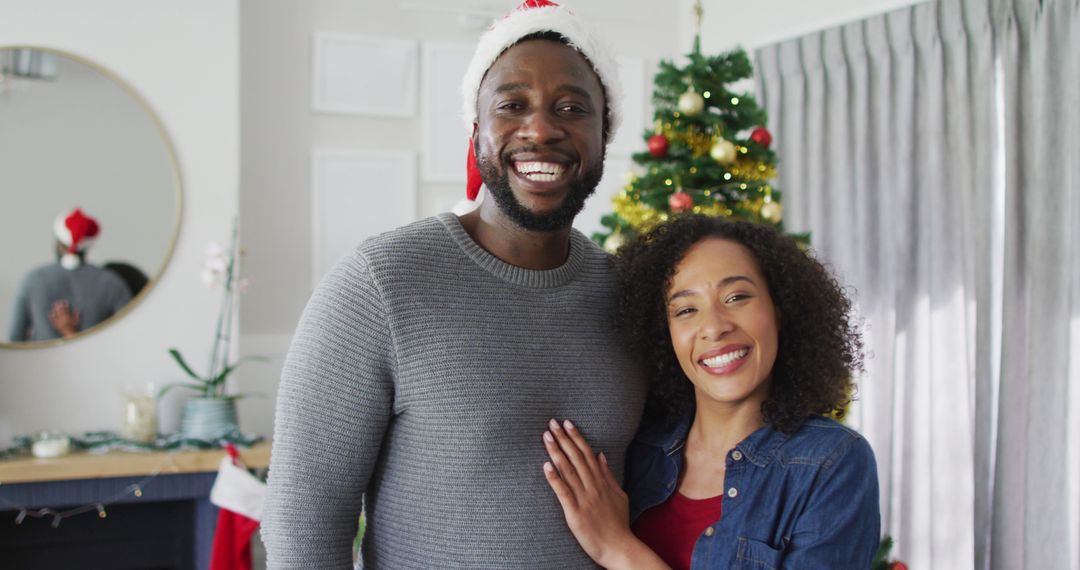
[(534, 16), (77, 231)]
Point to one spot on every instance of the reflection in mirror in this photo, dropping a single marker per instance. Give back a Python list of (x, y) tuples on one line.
[(91, 197)]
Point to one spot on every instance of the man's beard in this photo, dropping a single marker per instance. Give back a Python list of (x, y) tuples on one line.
[(498, 186)]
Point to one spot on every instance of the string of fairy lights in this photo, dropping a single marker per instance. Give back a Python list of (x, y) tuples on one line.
[(58, 516)]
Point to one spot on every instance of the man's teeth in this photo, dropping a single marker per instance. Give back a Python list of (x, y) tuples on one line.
[(540, 171), (725, 359)]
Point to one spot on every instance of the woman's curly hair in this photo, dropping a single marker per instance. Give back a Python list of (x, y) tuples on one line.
[(819, 348)]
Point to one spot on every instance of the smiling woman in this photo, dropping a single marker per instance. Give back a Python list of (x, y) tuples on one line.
[(74, 137), (750, 342)]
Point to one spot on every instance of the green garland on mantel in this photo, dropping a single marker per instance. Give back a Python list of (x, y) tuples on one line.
[(106, 441)]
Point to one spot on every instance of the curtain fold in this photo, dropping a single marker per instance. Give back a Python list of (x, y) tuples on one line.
[(1036, 499), (932, 153)]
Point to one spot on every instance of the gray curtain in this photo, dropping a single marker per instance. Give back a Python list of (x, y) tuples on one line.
[(1036, 520), (933, 152)]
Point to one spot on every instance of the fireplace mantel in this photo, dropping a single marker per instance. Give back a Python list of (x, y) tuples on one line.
[(170, 525)]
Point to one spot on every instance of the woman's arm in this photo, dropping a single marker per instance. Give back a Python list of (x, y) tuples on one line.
[(841, 525), (596, 508)]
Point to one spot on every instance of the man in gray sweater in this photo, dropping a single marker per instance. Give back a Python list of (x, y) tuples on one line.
[(427, 364)]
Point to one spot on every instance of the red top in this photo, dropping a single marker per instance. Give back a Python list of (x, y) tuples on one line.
[(672, 528)]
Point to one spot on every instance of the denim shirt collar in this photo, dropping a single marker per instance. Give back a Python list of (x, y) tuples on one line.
[(760, 447)]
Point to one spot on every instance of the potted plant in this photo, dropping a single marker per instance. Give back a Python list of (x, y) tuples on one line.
[(211, 414)]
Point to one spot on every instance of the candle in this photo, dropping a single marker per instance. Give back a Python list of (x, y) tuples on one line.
[(49, 445), (140, 418)]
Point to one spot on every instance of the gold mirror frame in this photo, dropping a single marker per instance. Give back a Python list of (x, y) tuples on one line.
[(178, 202)]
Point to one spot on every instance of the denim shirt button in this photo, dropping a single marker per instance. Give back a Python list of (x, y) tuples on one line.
[(733, 492), (736, 455), (710, 531)]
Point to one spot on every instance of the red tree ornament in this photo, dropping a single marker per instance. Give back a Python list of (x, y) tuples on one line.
[(680, 202), (761, 136), (658, 146)]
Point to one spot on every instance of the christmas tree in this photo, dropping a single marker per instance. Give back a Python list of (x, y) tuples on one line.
[(709, 151)]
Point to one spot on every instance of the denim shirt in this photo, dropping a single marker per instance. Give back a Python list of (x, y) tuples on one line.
[(807, 501)]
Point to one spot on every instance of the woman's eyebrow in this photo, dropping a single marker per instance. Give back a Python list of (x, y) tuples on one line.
[(723, 283)]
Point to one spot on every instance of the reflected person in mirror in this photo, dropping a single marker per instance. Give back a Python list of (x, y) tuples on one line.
[(70, 286), (66, 320)]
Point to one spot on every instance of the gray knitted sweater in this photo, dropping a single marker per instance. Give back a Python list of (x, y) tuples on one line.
[(95, 292), (421, 377)]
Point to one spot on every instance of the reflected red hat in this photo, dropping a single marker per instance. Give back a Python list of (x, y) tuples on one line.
[(77, 231)]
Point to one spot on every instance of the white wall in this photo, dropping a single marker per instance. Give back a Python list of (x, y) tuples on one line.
[(279, 130), (182, 57)]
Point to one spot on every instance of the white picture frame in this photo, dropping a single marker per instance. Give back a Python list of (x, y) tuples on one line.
[(445, 136), (364, 75), (357, 194)]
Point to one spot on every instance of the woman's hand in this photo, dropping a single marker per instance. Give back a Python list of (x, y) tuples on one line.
[(596, 508)]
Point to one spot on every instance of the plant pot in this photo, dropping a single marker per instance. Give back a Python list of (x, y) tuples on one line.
[(209, 418)]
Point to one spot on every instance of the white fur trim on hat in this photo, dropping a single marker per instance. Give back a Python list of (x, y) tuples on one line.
[(70, 261), (524, 21)]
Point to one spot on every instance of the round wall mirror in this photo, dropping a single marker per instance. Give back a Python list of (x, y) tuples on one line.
[(91, 194)]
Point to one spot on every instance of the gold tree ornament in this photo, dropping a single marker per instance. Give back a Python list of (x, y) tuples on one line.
[(614, 242), (691, 103), (723, 152), (772, 212)]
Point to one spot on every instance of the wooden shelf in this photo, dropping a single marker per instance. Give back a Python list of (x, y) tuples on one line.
[(83, 465)]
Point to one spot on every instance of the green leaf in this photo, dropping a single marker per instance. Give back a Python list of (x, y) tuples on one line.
[(180, 360), (228, 369), (197, 387), (245, 395)]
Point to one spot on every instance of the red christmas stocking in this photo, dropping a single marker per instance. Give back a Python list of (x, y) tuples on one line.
[(232, 541), (239, 497)]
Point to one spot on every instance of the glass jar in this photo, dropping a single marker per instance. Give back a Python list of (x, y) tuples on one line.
[(140, 418)]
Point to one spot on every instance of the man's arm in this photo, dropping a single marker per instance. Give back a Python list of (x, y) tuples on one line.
[(333, 406)]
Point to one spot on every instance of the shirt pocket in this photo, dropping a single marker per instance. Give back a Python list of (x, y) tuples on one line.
[(757, 555)]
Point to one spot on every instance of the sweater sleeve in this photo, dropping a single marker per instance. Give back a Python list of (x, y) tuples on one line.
[(841, 525), (333, 407)]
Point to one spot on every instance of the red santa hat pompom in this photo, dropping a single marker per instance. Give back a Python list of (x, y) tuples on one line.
[(535, 16), (76, 231)]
